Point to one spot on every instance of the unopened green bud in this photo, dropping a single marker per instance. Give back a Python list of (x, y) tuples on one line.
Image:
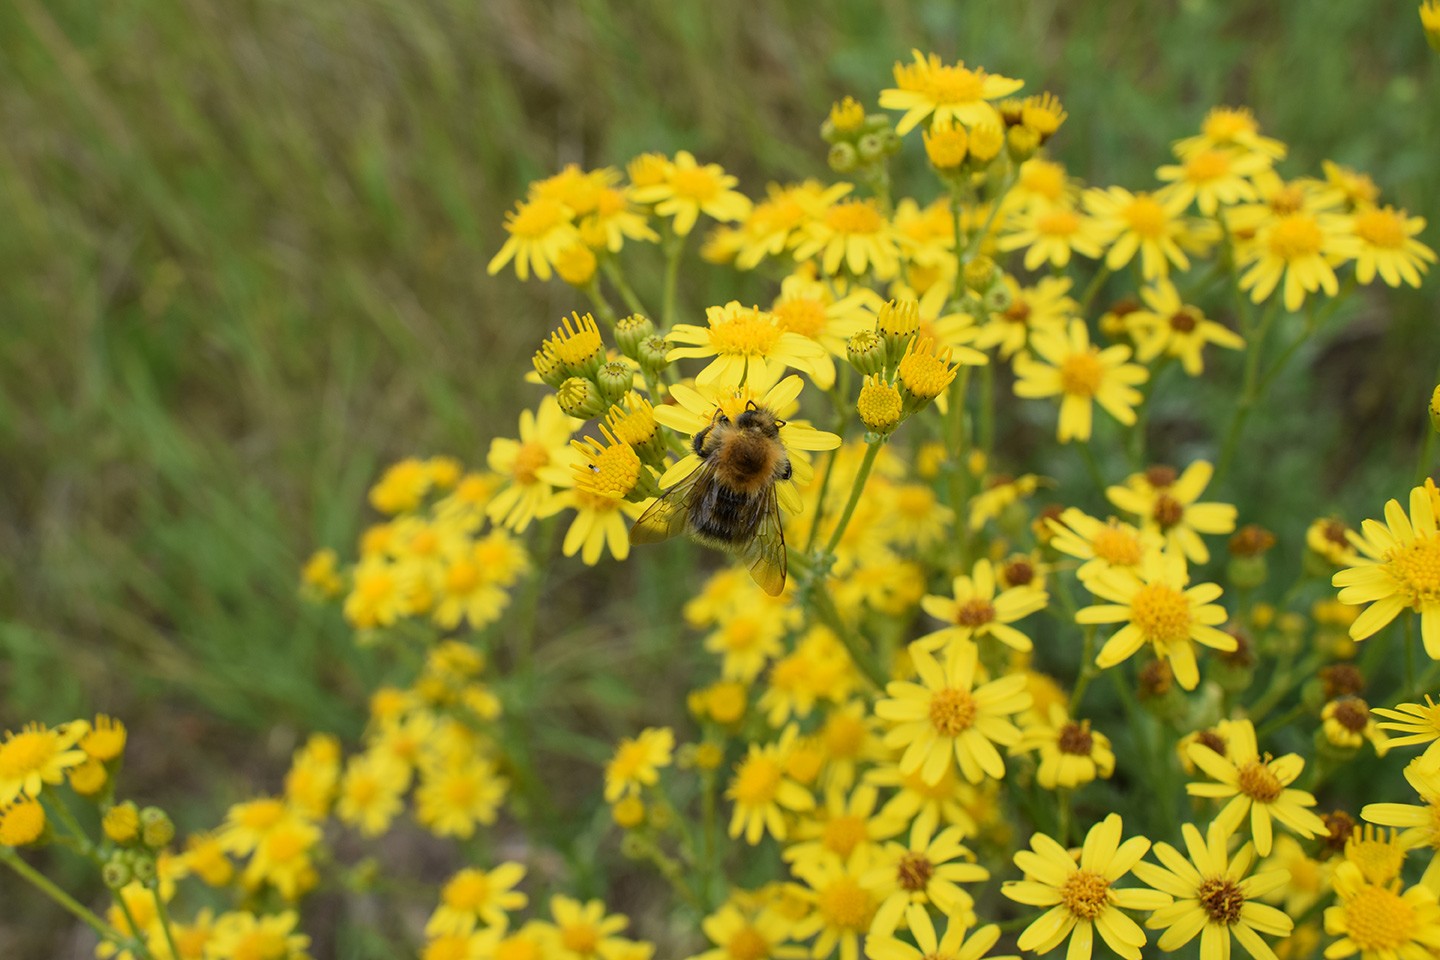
[(866, 351), (998, 299), (630, 331), (635, 847), (156, 828), (143, 869), (870, 147), (1022, 143), (615, 379), (1246, 573), (654, 354), (580, 398), (981, 274), (116, 873), (843, 157)]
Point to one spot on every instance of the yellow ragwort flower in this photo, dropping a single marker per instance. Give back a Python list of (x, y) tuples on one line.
[(929, 88), (1399, 570), (976, 610), (689, 189), (1379, 921), (1166, 504), (637, 762), (1081, 375)]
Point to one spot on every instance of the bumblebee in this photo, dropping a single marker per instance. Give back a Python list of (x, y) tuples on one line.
[(729, 501)]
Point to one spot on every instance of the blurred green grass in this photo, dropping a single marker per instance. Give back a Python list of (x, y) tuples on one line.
[(242, 251)]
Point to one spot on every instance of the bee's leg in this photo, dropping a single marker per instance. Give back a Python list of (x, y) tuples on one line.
[(698, 444), (784, 471)]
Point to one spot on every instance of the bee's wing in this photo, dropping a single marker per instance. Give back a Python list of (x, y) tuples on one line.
[(765, 554), (665, 517)]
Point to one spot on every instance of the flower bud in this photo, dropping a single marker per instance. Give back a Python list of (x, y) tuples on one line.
[(898, 322), (981, 274), (846, 117), (116, 873), (1022, 143), (998, 299), (22, 822), (870, 148), (576, 265), (615, 379), (880, 405), (548, 366), (156, 828), (629, 333), (580, 398), (653, 354), (121, 822), (143, 869), (945, 145), (924, 373), (986, 141), (866, 351), (628, 812), (843, 157)]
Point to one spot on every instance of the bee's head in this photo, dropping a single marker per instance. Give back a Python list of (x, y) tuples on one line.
[(759, 419)]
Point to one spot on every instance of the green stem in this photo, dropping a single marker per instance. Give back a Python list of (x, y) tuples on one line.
[(987, 411), (1139, 432), (820, 502), (1409, 641), (44, 885), (872, 449), (824, 609), (960, 472), (674, 248), (1087, 669), (1096, 477), (163, 913), (602, 306), (63, 813), (617, 277), (973, 247), (1093, 290), (1062, 833), (124, 906), (1249, 392)]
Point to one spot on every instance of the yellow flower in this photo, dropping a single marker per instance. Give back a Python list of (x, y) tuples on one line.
[(282, 859), (1176, 329), (532, 466), (843, 827), (21, 822), (453, 798), (923, 872), (746, 642), (1212, 177), (1347, 723), (1166, 504), (584, 931), (320, 577), (1111, 545), (1158, 607), (1256, 785), (104, 740), (854, 234), (1380, 854), (953, 945), (1045, 306), (1052, 234), (1379, 922), (1420, 723), (1081, 375), (314, 772), (1082, 897), (1071, 754), (1301, 248), (38, 755), (947, 801), (1232, 128), (1399, 570), (977, 611), (600, 484), (761, 789), (945, 715), (808, 307), (637, 762), (690, 189), (243, 934), (1213, 896), (749, 344), (1388, 246), (370, 792), (948, 93), (1143, 223), (475, 895), (777, 222), (842, 909), (540, 230), (747, 935), (1421, 826), (613, 220)]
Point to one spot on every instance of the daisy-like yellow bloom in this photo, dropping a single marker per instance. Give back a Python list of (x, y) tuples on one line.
[(689, 189), (746, 642), (540, 229), (762, 790), (1143, 223), (637, 762), (1052, 234), (475, 896), (1071, 753), (104, 739), (533, 466), (38, 755), (1045, 306), (601, 482), (1082, 897), (748, 935), (976, 610), (1418, 822), (1300, 248), (1256, 785), (927, 233), (1174, 328), (930, 945), (1213, 896), (282, 859), (1160, 608), (1399, 570), (1232, 128), (453, 798), (1081, 375), (808, 307), (1418, 723), (1042, 182), (932, 804), (584, 932), (313, 776), (945, 715), (776, 223), (21, 822), (1329, 538), (853, 234), (749, 344), (613, 220), (1347, 724), (1167, 504), (370, 792), (243, 934), (1387, 246), (844, 827), (1309, 877), (695, 407), (842, 909), (1379, 921), (1111, 545), (1379, 854), (1212, 177), (925, 871), (929, 88)]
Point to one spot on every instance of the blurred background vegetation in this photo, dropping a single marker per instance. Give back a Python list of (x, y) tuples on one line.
[(242, 251)]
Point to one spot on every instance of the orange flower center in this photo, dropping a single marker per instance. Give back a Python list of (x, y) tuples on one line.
[(846, 905), (1146, 217), (952, 85), (1115, 546), (1221, 899), (537, 218), (974, 613), (952, 711), (1295, 236), (1207, 165), (1082, 373), (1380, 228), (1162, 613), (528, 460), (747, 944), (695, 183), (1085, 893), (1057, 223), (843, 834), (1259, 782)]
